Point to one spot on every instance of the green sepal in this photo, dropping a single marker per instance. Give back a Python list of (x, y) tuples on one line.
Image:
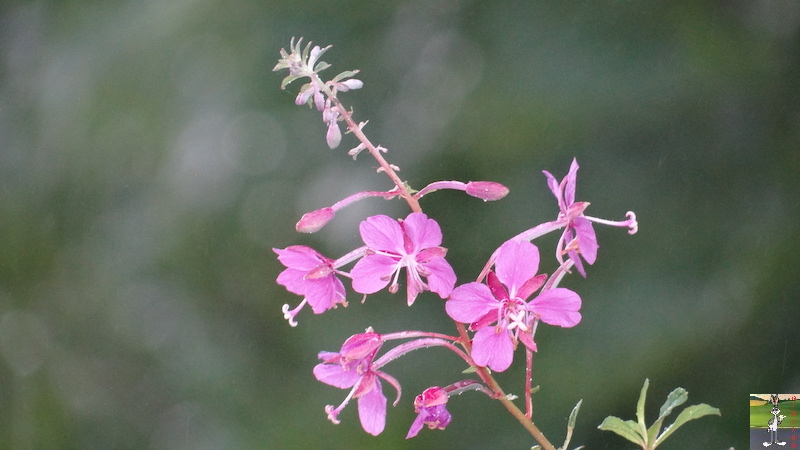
[(345, 74), (288, 80), (322, 65)]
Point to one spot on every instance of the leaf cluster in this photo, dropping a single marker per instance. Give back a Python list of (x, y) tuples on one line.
[(651, 437)]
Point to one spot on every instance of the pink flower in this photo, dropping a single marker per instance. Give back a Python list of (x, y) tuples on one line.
[(353, 368), (412, 243), (311, 275), (503, 302), (431, 409), (579, 237)]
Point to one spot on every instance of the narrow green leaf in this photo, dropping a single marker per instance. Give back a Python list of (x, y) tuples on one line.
[(690, 413), (640, 409), (627, 429), (652, 432), (573, 416)]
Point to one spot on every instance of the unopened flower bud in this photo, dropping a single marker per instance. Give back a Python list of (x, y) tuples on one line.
[(334, 134), (305, 94), (313, 221), (352, 83), (486, 190)]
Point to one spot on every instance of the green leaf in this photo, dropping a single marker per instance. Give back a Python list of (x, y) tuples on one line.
[(573, 416), (652, 432), (640, 409), (675, 398), (690, 413), (628, 429)]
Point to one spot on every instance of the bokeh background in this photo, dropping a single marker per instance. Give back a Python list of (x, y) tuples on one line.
[(149, 162)]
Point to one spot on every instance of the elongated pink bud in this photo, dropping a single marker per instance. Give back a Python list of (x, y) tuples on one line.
[(334, 135), (313, 221), (486, 190)]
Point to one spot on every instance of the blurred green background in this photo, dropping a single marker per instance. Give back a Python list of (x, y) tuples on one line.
[(149, 162)]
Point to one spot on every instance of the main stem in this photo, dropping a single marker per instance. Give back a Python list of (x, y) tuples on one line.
[(354, 128), (500, 395)]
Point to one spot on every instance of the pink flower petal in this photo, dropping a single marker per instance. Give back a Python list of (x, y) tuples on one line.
[(416, 426), (517, 262), (335, 375), (441, 278), (552, 183), (492, 349), (571, 180), (557, 306), (372, 409), (587, 239), (323, 294), (372, 273), (469, 302), (382, 233), (299, 257), (422, 231), (293, 280)]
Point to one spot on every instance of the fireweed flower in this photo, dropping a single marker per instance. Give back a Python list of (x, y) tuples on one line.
[(412, 243), (311, 275), (353, 368), (431, 409), (503, 302), (578, 237)]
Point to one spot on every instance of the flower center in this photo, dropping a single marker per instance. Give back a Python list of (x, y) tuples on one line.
[(513, 315)]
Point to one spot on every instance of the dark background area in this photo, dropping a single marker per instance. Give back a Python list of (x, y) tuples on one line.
[(149, 162)]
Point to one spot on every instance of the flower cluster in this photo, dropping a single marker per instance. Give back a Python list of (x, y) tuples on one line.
[(491, 315)]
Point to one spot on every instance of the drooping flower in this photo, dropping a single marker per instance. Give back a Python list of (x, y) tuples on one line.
[(579, 237), (431, 409), (352, 367), (500, 312), (413, 244), (311, 275)]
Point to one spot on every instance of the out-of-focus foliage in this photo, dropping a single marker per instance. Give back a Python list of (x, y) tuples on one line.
[(149, 162)]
